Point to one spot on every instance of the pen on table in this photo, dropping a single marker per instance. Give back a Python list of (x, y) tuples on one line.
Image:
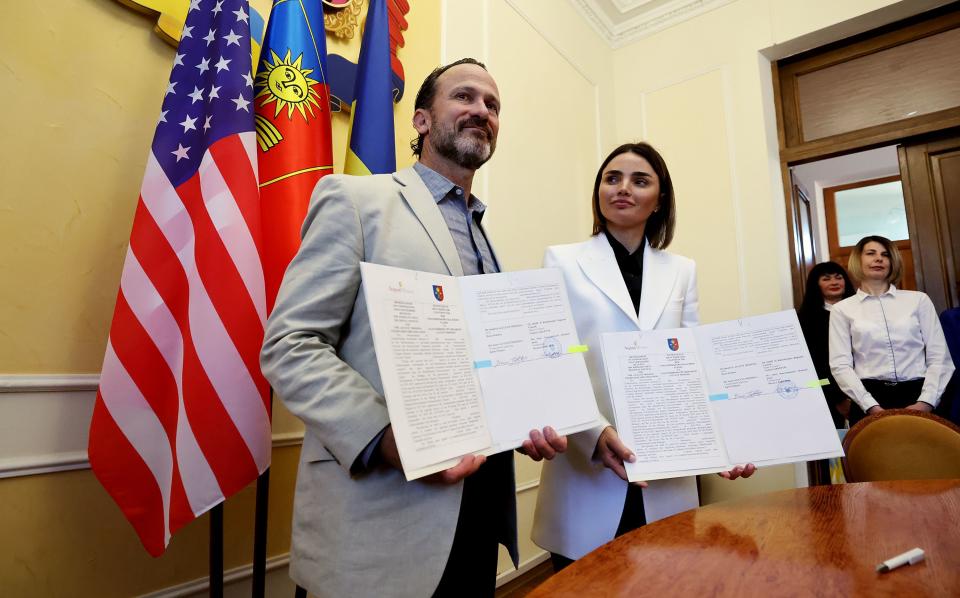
[(910, 557)]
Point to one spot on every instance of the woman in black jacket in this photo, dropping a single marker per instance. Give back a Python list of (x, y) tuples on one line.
[(827, 284)]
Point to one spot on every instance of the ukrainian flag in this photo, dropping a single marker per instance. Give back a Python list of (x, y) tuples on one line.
[(370, 149)]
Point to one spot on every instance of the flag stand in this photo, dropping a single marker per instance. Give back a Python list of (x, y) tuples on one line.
[(216, 551), (260, 535)]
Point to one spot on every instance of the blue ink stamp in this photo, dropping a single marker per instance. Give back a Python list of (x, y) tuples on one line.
[(552, 347), (787, 389)]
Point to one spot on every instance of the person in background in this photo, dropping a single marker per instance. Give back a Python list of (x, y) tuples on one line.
[(827, 284), (887, 349), (621, 279), (949, 407)]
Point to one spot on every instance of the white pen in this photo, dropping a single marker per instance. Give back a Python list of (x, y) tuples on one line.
[(910, 557)]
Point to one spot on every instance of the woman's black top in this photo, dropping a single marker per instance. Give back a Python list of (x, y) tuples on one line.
[(816, 329)]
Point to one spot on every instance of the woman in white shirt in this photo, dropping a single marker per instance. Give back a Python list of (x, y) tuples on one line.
[(887, 349), (621, 279)]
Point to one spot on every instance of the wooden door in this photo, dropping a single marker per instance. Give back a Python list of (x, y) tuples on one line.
[(840, 251), (805, 251), (931, 189)]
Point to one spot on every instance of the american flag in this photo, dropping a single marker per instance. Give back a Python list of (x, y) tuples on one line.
[(182, 418)]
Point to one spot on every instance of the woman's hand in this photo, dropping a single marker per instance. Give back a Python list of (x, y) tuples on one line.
[(740, 471), (921, 406), (613, 452), (843, 408)]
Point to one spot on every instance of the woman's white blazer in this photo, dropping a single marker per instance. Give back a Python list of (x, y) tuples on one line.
[(580, 501)]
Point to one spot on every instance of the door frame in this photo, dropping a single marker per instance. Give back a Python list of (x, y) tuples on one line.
[(794, 151)]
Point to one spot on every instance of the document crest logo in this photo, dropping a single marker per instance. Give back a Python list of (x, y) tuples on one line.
[(438, 292), (673, 344)]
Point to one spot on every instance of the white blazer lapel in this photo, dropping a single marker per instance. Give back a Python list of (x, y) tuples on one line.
[(658, 281), (418, 197), (599, 265)]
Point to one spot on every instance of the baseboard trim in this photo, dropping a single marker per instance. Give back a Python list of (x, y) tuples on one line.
[(283, 560), (230, 576), (528, 485), (525, 566)]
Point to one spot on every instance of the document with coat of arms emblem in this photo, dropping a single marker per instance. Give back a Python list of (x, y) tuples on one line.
[(471, 364), (701, 400)]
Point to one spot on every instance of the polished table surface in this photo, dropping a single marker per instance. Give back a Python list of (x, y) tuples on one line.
[(819, 541)]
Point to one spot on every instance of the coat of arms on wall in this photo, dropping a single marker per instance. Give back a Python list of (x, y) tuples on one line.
[(341, 19)]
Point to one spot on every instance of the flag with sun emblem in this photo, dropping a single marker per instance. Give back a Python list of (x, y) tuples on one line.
[(293, 128), (182, 415)]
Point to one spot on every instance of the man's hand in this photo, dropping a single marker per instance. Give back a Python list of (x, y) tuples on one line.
[(388, 449), (874, 409), (613, 452), (544, 445), (843, 408), (740, 471), (467, 466), (921, 406)]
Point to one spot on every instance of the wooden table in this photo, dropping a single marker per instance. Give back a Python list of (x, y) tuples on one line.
[(820, 541)]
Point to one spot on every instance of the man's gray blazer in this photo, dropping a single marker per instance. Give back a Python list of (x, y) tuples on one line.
[(370, 533)]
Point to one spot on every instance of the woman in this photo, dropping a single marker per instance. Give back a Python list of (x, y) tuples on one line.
[(887, 348), (619, 280), (827, 284)]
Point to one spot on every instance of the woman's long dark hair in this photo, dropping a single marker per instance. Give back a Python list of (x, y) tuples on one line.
[(813, 296)]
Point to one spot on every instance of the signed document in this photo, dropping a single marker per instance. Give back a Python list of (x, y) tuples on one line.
[(701, 400), (471, 364)]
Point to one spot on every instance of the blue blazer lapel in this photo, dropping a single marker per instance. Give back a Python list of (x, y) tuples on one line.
[(424, 207), (658, 279), (599, 265)]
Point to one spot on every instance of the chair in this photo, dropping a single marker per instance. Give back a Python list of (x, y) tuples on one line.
[(902, 444)]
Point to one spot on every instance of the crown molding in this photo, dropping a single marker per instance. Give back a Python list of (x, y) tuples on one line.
[(625, 30)]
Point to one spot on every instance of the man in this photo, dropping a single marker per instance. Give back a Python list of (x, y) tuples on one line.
[(359, 528)]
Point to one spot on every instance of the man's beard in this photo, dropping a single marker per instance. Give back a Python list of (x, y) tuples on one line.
[(463, 148)]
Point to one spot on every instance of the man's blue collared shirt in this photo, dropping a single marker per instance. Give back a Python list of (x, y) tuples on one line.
[(463, 220)]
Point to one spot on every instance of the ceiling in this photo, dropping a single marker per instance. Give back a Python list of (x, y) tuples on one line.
[(624, 21)]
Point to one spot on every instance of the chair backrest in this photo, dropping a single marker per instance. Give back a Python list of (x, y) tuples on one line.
[(902, 444)]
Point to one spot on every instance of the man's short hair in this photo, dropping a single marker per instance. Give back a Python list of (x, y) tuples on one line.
[(428, 90), (855, 265)]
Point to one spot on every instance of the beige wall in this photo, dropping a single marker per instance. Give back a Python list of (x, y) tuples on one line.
[(701, 92), (83, 83)]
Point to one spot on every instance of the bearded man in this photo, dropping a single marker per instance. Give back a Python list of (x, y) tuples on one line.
[(359, 528)]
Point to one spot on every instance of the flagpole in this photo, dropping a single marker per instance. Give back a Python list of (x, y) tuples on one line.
[(260, 517), (216, 551), (260, 535)]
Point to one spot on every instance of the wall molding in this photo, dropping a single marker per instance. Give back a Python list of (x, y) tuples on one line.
[(10, 383), (625, 30), (44, 420), (230, 576), (72, 460)]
